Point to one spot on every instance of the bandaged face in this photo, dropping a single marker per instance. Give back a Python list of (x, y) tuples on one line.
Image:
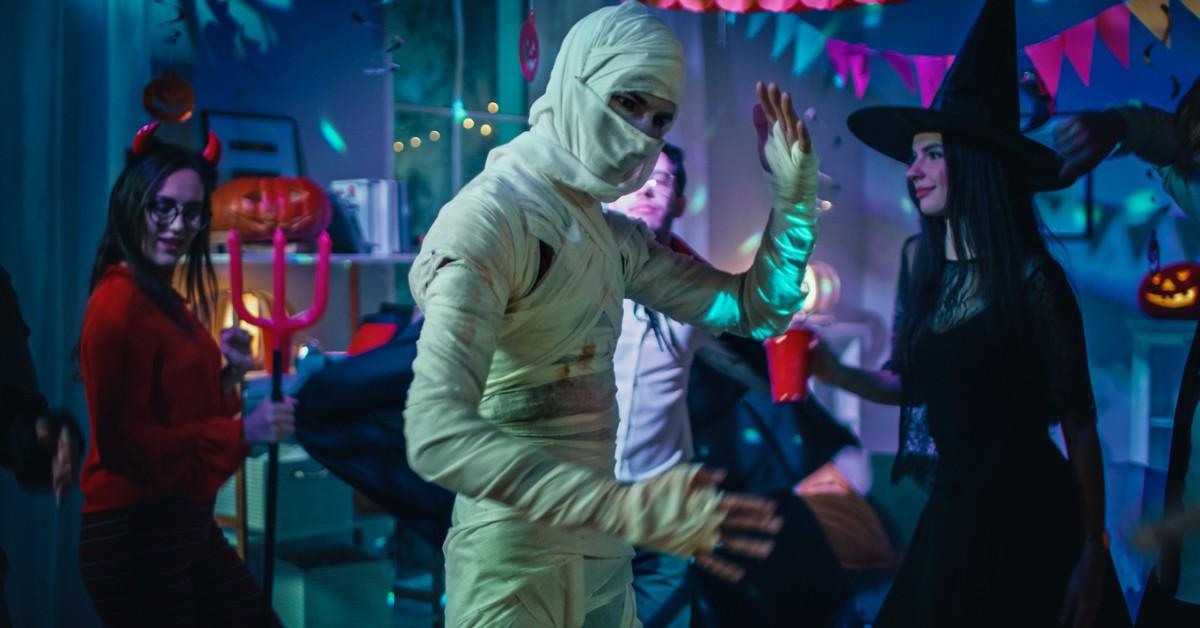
[(646, 112), (611, 97)]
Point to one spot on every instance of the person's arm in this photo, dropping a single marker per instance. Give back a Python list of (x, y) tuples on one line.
[(20, 402), (880, 385), (472, 263), (118, 369), (1057, 331), (883, 385), (758, 303), (1150, 133)]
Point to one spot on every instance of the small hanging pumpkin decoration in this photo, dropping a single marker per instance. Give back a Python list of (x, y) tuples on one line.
[(528, 48), (169, 98), (1172, 292), (256, 205)]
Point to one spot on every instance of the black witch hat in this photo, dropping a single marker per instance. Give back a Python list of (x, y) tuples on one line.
[(977, 99)]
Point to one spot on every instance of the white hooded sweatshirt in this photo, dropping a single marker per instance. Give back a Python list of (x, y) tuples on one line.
[(513, 400)]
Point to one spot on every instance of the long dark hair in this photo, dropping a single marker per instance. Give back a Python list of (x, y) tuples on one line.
[(125, 231), (992, 213)]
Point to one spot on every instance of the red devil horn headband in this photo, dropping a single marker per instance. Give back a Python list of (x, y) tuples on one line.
[(212, 150)]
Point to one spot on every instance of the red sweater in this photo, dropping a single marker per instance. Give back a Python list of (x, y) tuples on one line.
[(161, 428)]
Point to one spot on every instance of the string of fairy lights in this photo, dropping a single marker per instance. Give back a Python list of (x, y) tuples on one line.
[(460, 116)]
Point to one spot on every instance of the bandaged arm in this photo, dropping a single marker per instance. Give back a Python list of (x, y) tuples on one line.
[(472, 263), (757, 303)]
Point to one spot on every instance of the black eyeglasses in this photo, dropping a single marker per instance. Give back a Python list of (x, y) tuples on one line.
[(164, 210)]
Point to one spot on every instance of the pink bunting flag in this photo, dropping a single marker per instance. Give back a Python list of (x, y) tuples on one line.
[(850, 62), (1113, 27), (860, 69), (930, 70), (837, 51), (903, 67), (1078, 42), (1047, 59)]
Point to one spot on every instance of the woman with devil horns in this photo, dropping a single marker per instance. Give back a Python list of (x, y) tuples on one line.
[(166, 430)]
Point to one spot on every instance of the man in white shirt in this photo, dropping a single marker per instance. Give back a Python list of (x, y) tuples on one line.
[(651, 363)]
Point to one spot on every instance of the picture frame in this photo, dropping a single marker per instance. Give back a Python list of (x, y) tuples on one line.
[(255, 145)]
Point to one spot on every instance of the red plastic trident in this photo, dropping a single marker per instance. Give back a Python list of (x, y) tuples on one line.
[(280, 327)]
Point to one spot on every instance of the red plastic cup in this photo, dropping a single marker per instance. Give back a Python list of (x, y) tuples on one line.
[(787, 363)]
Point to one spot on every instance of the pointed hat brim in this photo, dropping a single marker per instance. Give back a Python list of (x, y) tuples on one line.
[(890, 130)]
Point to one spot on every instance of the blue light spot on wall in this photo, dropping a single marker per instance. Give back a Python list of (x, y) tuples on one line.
[(699, 200), (751, 436), (906, 206), (872, 16), (1142, 203), (332, 137), (460, 112), (839, 82), (750, 244)]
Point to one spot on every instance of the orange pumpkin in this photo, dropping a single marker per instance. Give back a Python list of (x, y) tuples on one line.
[(256, 205), (169, 98), (1172, 292)]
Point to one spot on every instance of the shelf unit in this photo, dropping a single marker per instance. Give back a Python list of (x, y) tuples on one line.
[(1159, 352)]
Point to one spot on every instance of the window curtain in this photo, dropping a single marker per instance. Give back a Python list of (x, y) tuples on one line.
[(72, 72)]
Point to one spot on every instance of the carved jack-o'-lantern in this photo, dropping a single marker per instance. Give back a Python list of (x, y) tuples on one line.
[(169, 98), (1172, 292), (256, 205)]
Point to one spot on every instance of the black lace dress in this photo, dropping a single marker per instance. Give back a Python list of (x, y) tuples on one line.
[(1003, 527)]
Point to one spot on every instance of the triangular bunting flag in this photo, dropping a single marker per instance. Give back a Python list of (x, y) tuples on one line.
[(860, 69), (1078, 42), (1192, 5), (810, 43), (756, 23), (930, 70), (1151, 14), (1112, 25), (785, 31), (839, 52), (1047, 59), (903, 67)]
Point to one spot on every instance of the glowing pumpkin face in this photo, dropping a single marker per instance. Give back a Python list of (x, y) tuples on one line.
[(1172, 292), (256, 205)]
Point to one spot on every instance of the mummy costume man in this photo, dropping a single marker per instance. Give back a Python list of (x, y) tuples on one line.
[(521, 279)]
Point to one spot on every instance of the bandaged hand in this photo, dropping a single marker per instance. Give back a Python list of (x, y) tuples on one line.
[(785, 149)]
